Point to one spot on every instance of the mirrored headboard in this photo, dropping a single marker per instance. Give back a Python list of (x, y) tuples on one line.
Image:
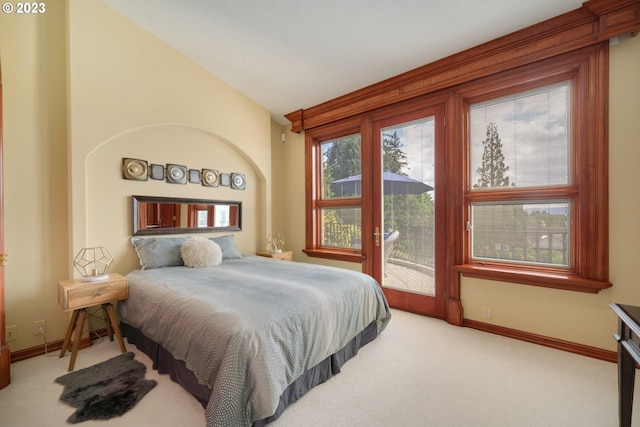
[(169, 215)]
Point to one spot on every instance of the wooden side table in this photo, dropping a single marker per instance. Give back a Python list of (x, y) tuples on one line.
[(78, 295), (284, 255)]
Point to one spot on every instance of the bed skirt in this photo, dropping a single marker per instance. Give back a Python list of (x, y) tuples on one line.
[(164, 363)]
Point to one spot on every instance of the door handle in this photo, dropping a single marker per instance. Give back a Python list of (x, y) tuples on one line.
[(3, 259), (377, 234)]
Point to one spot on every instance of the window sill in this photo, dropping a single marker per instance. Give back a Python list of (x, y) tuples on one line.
[(337, 254), (545, 279)]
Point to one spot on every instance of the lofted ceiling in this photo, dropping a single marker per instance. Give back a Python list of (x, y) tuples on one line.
[(293, 54)]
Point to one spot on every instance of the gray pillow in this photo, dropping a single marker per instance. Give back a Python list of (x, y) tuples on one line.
[(228, 246), (156, 252)]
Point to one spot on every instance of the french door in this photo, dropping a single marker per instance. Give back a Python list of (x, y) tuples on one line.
[(408, 214)]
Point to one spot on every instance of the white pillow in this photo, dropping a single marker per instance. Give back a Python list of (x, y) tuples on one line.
[(201, 252)]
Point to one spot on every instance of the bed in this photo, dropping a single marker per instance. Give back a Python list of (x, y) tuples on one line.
[(250, 335)]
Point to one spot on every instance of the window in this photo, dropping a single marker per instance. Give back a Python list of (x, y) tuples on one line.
[(535, 233), (340, 226), (521, 143), (526, 167), (572, 47), (535, 186), (337, 205)]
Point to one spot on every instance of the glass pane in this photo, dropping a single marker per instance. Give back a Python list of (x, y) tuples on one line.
[(342, 227), (535, 233), (222, 215), (408, 197), (203, 218), (341, 167), (521, 140)]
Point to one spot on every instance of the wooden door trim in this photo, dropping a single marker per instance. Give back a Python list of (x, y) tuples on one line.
[(372, 264), (5, 359)]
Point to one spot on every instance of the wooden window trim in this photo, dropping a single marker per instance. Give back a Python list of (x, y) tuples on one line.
[(594, 22), (535, 277), (313, 200), (587, 70)]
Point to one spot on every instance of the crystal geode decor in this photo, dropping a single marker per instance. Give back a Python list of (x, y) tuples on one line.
[(275, 243)]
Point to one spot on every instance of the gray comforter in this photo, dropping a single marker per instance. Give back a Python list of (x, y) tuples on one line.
[(249, 327)]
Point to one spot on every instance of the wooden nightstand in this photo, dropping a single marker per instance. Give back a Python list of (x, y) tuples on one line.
[(78, 295), (285, 255)]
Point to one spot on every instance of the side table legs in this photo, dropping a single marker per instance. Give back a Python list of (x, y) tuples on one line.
[(113, 320), (77, 323), (105, 316)]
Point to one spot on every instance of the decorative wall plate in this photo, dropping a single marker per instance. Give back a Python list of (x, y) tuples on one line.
[(135, 169), (210, 178), (225, 179), (194, 176), (238, 181), (156, 171), (176, 174)]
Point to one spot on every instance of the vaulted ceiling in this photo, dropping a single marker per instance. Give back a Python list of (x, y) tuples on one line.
[(292, 54)]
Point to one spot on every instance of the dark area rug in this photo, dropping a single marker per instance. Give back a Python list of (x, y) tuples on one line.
[(106, 390)]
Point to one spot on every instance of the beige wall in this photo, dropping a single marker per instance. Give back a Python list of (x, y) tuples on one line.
[(571, 316), (72, 111), (33, 60), (133, 96)]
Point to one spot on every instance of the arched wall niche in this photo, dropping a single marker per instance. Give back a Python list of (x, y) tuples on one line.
[(108, 209)]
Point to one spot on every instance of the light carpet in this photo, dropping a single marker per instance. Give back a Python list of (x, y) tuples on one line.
[(418, 372)]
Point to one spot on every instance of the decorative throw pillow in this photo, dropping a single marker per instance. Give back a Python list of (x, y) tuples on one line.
[(228, 246), (158, 252), (201, 252)]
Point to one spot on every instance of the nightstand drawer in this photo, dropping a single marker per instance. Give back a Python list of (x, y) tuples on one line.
[(75, 294)]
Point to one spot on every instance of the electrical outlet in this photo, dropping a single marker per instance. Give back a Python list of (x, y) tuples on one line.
[(486, 312), (11, 333), (39, 327)]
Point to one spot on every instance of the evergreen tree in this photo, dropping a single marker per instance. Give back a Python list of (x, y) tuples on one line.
[(342, 159), (394, 159), (493, 170)]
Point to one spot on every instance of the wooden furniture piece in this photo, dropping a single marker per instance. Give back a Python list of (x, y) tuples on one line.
[(78, 295), (285, 255), (5, 356), (628, 338)]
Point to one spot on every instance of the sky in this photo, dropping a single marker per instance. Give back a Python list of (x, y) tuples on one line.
[(418, 139), (534, 130)]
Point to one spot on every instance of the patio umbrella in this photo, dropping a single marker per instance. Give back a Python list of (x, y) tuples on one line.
[(393, 184)]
